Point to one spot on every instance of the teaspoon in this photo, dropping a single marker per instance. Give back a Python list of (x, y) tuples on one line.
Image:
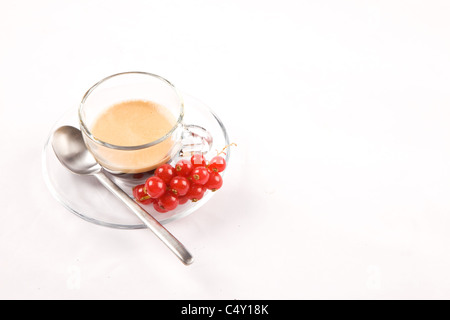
[(70, 149)]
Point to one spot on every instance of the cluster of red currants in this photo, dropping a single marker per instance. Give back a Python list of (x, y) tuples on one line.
[(188, 180)]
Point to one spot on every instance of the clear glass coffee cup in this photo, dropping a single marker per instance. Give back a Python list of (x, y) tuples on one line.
[(180, 140)]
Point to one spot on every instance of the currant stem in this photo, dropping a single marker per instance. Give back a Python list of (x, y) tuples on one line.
[(226, 147)]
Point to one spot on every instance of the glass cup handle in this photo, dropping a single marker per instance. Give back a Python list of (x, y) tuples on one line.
[(195, 139)]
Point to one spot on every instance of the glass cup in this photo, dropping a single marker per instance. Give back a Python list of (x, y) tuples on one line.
[(180, 140)]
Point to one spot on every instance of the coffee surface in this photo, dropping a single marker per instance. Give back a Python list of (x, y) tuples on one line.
[(133, 123)]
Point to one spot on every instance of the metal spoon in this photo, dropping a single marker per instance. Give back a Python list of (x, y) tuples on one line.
[(71, 150)]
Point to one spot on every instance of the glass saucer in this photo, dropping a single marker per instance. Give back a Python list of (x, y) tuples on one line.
[(88, 199)]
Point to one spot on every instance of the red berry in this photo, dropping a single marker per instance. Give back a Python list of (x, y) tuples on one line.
[(183, 168), (199, 175), (155, 187), (217, 164), (183, 199), (179, 186), (140, 194), (198, 160), (196, 192), (214, 182), (158, 208), (168, 201), (166, 172)]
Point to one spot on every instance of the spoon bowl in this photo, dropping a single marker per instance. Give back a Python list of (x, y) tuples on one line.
[(70, 149)]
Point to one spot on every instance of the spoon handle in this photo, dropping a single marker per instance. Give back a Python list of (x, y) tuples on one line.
[(162, 233)]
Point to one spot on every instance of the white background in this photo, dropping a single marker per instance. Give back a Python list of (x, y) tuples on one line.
[(338, 189)]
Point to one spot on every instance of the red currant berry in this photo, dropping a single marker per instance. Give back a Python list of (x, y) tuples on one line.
[(199, 175), (179, 186), (168, 201), (198, 160), (196, 192), (214, 182), (183, 168), (183, 199), (140, 194), (166, 172), (155, 187), (217, 164), (158, 208)]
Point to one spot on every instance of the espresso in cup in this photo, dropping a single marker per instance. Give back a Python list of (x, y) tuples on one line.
[(132, 122)]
